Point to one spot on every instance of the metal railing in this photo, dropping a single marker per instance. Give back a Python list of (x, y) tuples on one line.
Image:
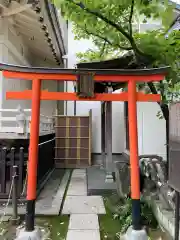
[(19, 123)]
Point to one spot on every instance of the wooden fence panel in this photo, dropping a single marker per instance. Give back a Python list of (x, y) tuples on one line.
[(73, 141)]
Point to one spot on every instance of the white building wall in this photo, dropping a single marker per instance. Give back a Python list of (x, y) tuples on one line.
[(48, 107), (82, 108), (151, 130), (14, 51)]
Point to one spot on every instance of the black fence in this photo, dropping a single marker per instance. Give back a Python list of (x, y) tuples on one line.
[(9, 158), (46, 160), (19, 157)]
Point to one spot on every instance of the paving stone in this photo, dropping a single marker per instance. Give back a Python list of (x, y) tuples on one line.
[(83, 235), (78, 184), (79, 177), (5, 218), (84, 222), (83, 205), (79, 189), (80, 173), (75, 191)]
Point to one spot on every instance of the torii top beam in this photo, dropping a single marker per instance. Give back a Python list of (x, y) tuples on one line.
[(100, 75)]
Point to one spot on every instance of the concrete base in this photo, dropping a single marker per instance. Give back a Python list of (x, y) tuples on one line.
[(132, 234), (23, 235)]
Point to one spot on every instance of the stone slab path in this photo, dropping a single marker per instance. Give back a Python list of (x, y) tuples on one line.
[(83, 209)]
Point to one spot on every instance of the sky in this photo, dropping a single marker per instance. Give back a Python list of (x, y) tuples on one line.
[(176, 1)]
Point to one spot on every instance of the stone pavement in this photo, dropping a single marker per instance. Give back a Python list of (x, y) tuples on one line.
[(50, 199), (83, 209)]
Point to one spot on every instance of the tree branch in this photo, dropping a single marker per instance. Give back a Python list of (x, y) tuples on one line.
[(103, 48), (130, 18), (102, 17), (111, 23), (164, 107), (107, 40)]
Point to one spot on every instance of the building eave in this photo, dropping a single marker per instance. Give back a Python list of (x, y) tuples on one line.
[(45, 15), (55, 26)]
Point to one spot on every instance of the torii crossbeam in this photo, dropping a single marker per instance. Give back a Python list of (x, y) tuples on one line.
[(132, 77)]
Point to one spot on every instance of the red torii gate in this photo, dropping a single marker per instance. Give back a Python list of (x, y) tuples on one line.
[(36, 95)]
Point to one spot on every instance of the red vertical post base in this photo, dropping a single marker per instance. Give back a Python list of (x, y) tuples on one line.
[(136, 214), (33, 156), (134, 159), (30, 215)]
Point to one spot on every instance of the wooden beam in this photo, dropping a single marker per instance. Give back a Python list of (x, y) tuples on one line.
[(37, 43), (22, 28), (45, 95), (73, 77), (30, 13), (28, 23), (40, 43), (15, 8)]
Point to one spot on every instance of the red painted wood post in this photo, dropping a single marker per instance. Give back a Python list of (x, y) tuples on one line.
[(33, 155), (134, 159)]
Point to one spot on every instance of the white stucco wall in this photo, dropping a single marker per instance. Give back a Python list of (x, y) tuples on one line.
[(83, 108), (151, 130), (14, 51), (48, 108)]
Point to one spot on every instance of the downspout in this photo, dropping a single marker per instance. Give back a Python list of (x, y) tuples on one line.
[(65, 58), (59, 27), (75, 106)]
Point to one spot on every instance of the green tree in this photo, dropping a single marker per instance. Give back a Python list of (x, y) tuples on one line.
[(110, 24)]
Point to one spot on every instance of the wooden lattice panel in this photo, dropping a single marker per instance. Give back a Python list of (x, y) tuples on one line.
[(73, 141)]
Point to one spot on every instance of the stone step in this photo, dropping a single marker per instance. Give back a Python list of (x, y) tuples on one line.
[(84, 222), (83, 205), (83, 235)]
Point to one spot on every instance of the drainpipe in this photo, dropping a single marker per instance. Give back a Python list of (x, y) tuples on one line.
[(75, 106), (65, 58)]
